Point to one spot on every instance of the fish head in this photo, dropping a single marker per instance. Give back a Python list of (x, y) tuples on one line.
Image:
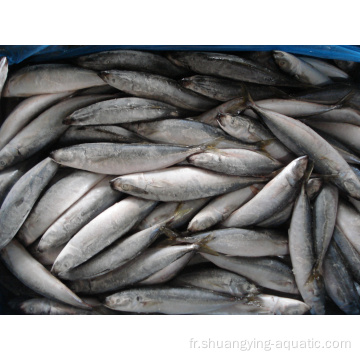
[(201, 159), (128, 300), (238, 126), (66, 156), (62, 265), (283, 60), (297, 170), (127, 185), (8, 156), (351, 184)]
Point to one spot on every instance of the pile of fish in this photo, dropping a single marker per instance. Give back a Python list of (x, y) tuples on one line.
[(181, 183)]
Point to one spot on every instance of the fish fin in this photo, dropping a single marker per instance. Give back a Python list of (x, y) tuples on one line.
[(171, 234), (237, 107), (204, 248), (308, 171), (249, 102), (209, 145), (179, 212), (275, 173), (315, 274), (345, 100)]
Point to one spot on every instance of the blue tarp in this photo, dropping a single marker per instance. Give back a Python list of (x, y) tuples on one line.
[(40, 53)]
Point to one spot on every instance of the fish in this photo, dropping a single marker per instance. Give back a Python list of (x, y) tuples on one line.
[(221, 207), (49, 78), (339, 283), (26, 111), (267, 272), (121, 159), (325, 67), (187, 132), (157, 87), (242, 242), (101, 232), (348, 221), (118, 254), (229, 66), (22, 197), (129, 60), (94, 202), (42, 131), (3, 72), (219, 280), (176, 214), (54, 202), (36, 277), (225, 90), (140, 268), (123, 110), (274, 197), (343, 132), (299, 69), (264, 304), (167, 300), (97, 133), (181, 183), (239, 162), (248, 130), (302, 140), (43, 306), (348, 252), (302, 254), (324, 219)]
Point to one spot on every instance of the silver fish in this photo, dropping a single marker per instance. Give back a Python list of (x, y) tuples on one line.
[(157, 87), (221, 207), (143, 266), (176, 214), (22, 197), (167, 300), (347, 133), (224, 89), (168, 272), (116, 255), (130, 60), (242, 242), (43, 130), (229, 66), (186, 132), (265, 305), (349, 253), (302, 140), (94, 202), (348, 220), (89, 134), (239, 162), (275, 196), (41, 306), (302, 255), (339, 283), (326, 68), (101, 232), (324, 218), (123, 110), (278, 218), (267, 272), (180, 184), (120, 159), (50, 78), (54, 202), (248, 130), (26, 111), (300, 69), (3, 72), (218, 280), (36, 277)]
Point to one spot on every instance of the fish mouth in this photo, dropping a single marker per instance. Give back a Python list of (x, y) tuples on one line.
[(104, 75), (220, 118)]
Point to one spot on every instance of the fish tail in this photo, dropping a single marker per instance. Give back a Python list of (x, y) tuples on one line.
[(204, 248)]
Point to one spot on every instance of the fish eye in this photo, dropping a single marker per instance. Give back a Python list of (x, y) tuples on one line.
[(2, 163), (125, 187), (282, 63)]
